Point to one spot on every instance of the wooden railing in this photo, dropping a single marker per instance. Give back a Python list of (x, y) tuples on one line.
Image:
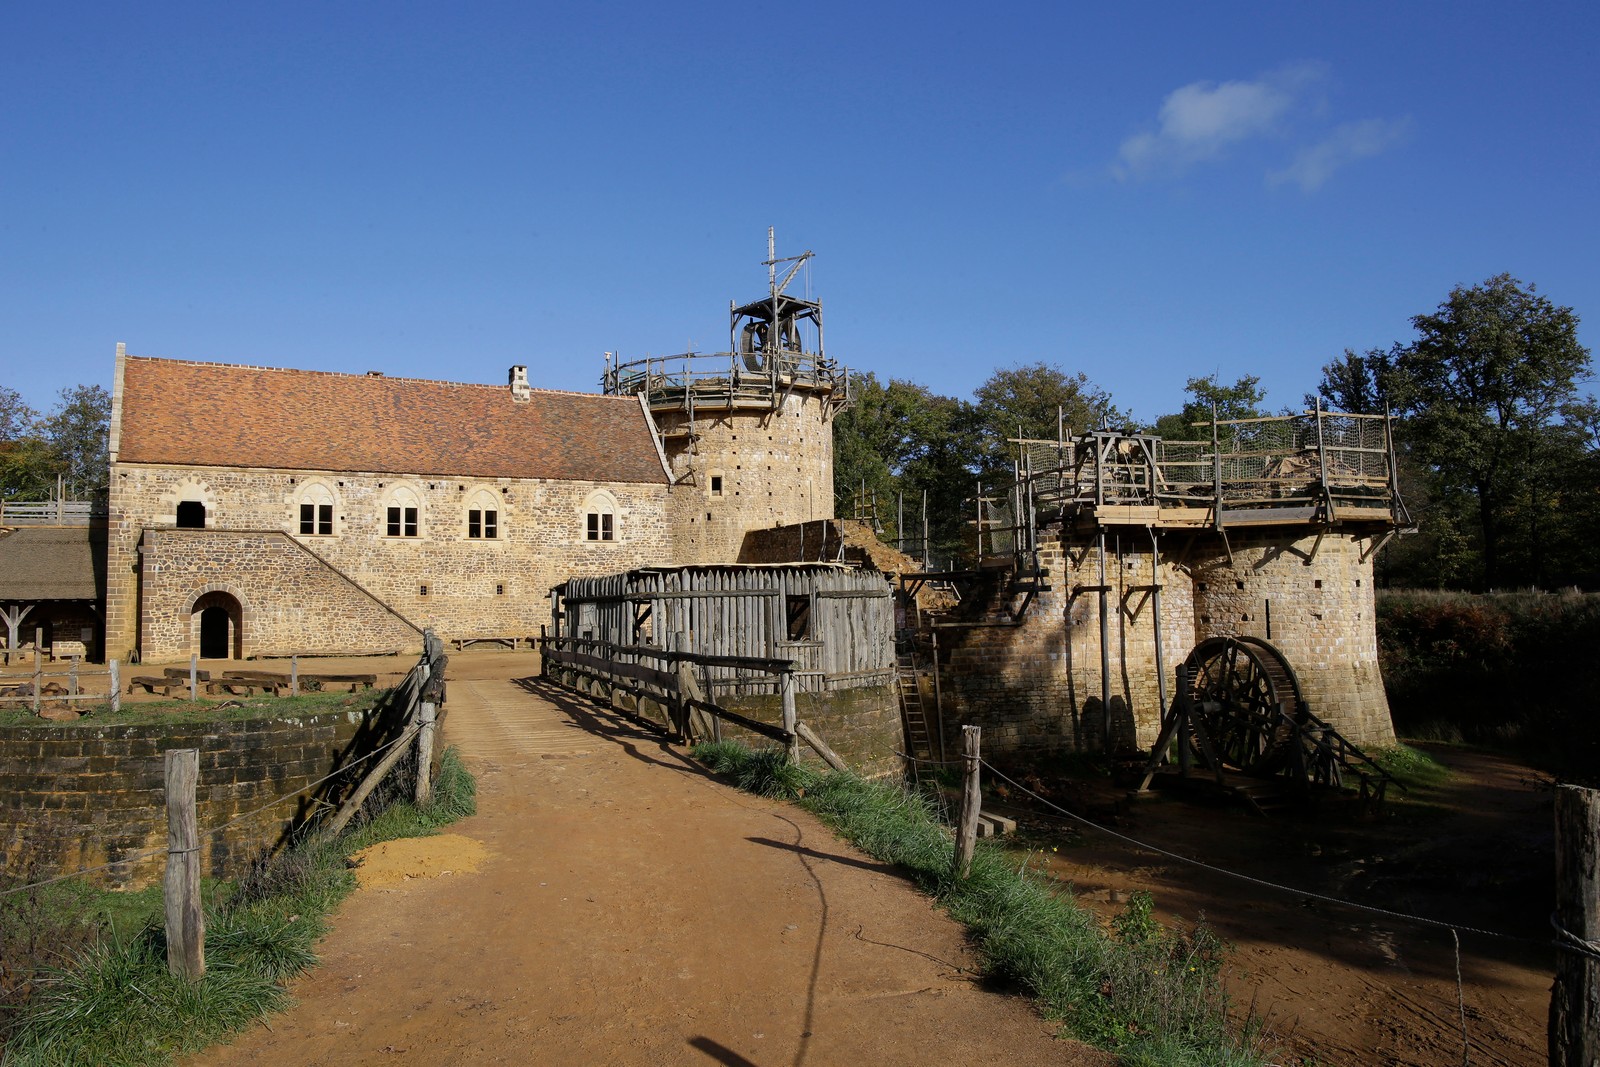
[(670, 680), (50, 513)]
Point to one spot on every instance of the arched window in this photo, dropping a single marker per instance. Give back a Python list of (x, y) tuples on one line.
[(483, 515), (600, 517), (191, 515), (403, 512), (314, 510)]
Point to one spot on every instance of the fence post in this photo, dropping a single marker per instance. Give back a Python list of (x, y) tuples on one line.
[(116, 686), (786, 694), (971, 801), (72, 678), (427, 712), (186, 922), (294, 676), (194, 676), (38, 668), (1574, 1034)]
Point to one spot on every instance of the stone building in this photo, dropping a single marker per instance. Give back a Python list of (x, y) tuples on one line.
[(267, 511)]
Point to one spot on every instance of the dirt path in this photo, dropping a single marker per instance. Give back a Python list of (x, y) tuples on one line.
[(630, 910)]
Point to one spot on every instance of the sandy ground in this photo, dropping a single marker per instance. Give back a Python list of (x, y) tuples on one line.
[(612, 904)]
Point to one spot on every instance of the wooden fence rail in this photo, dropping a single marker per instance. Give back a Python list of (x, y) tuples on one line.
[(668, 679), (31, 690)]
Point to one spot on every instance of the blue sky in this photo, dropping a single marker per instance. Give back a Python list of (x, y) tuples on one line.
[(1143, 192)]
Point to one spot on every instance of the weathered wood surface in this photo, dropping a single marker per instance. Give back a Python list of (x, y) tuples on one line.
[(819, 746), (1575, 997), (185, 918), (971, 802)]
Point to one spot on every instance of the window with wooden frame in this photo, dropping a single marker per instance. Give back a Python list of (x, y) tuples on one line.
[(600, 517), (798, 611), (314, 511), (483, 516), (402, 514)]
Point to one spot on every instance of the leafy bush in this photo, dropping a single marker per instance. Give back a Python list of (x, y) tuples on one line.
[(1515, 670)]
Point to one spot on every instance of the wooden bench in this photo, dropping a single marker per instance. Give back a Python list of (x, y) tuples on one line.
[(166, 683), (513, 643)]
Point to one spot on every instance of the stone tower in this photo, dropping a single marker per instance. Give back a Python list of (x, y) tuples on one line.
[(747, 433)]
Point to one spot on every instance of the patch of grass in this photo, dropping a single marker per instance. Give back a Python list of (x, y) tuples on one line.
[(1149, 994), (110, 1001), (1412, 767), (207, 709)]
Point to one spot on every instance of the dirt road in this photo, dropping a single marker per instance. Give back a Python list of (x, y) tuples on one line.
[(630, 910)]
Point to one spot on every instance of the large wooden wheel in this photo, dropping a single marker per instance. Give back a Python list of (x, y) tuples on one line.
[(1247, 698)]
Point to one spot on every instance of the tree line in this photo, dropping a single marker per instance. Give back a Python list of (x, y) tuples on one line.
[(1497, 443), (64, 450)]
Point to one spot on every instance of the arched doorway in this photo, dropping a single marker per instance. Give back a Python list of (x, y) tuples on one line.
[(219, 626)]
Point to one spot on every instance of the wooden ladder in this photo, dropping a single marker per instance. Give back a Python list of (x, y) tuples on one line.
[(919, 742)]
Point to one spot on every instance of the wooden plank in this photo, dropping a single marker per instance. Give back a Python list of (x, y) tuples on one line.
[(1574, 1031), (185, 918)]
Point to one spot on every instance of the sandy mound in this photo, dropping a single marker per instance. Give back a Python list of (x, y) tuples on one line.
[(392, 862)]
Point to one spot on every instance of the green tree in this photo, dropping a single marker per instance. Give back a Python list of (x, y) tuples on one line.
[(27, 468), (79, 432), (1357, 384), (1037, 400), (899, 437), (1209, 398), (1490, 393)]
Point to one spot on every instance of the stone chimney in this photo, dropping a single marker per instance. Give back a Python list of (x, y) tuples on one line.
[(520, 389)]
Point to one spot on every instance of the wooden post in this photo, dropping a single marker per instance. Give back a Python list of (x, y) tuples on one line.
[(72, 678), (194, 676), (427, 713), (819, 746), (116, 686), (38, 668), (786, 694), (1575, 997), (294, 676), (186, 922), (971, 802)]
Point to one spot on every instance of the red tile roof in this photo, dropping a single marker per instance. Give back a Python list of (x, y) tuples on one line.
[(223, 415)]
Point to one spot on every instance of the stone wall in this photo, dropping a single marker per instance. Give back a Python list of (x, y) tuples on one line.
[(461, 585), (74, 797), (1036, 687), (1319, 599), (774, 467), (287, 599)]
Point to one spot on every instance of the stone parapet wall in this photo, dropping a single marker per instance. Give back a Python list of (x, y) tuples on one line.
[(75, 797)]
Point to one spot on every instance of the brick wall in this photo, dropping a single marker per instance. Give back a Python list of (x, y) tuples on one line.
[(73, 797)]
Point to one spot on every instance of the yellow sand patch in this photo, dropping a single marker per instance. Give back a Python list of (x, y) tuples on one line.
[(392, 862)]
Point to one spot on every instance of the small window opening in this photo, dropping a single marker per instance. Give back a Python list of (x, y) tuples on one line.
[(1316, 583), (799, 613), (1239, 584), (422, 590), (191, 515), (600, 526), (499, 589), (716, 485)]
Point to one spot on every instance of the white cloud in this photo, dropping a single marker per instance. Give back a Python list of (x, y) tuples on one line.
[(1315, 164), (1198, 121)]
